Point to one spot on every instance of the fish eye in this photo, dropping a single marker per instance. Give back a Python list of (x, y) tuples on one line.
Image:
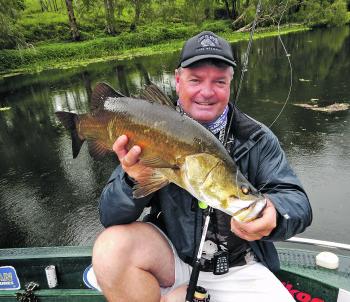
[(245, 190)]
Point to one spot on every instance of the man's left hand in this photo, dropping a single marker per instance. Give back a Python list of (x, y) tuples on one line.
[(257, 228)]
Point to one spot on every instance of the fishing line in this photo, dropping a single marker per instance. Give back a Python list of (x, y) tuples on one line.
[(245, 64), (290, 86), (290, 65), (269, 190)]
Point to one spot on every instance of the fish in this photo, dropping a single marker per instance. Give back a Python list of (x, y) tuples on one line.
[(179, 149)]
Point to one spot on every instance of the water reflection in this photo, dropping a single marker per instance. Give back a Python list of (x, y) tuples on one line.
[(47, 198)]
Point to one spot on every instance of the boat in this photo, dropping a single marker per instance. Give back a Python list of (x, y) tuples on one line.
[(48, 274)]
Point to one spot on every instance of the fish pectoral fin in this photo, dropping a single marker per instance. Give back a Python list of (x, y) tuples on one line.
[(149, 184), (154, 94), (156, 162), (101, 93), (97, 149)]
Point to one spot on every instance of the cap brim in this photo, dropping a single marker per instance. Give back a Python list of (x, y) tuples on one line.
[(195, 59)]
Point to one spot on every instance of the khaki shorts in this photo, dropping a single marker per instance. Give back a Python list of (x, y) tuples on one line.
[(249, 283)]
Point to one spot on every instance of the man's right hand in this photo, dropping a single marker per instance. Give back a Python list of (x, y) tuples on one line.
[(130, 159)]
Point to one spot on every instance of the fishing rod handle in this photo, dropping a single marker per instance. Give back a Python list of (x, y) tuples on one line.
[(193, 281)]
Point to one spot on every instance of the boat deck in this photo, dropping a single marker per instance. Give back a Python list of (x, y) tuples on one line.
[(299, 273)]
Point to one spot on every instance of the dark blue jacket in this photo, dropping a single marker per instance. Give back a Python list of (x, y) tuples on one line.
[(260, 158)]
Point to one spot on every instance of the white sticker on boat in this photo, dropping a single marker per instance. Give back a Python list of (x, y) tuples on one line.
[(343, 295), (89, 278), (8, 278)]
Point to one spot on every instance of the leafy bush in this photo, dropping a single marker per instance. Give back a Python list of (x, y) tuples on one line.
[(337, 13), (318, 12)]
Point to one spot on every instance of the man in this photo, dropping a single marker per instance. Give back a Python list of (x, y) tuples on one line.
[(136, 261)]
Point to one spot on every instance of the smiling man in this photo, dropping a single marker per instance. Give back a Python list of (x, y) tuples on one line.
[(138, 261)]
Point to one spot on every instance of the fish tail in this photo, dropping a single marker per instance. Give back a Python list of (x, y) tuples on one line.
[(69, 121)]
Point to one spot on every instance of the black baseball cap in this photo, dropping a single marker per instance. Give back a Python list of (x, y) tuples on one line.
[(206, 45)]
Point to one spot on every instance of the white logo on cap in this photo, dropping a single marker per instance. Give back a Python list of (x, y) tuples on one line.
[(208, 41)]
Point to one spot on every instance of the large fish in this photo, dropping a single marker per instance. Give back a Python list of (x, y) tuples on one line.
[(179, 149)]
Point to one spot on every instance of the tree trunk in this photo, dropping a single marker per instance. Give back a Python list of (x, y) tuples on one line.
[(72, 22), (110, 20), (42, 6), (137, 12), (228, 12), (234, 12), (137, 4), (238, 20)]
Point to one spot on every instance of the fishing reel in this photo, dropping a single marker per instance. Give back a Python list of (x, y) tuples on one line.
[(201, 295)]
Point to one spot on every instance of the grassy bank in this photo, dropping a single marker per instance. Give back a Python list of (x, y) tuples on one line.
[(126, 45)]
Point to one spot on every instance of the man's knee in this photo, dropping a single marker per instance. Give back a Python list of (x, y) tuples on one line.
[(136, 245), (114, 241)]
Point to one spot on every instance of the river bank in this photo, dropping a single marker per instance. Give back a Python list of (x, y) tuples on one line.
[(43, 188), (125, 46)]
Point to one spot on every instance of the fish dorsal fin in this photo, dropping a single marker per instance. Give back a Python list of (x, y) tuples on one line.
[(97, 149), (154, 94), (101, 93), (149, 183)]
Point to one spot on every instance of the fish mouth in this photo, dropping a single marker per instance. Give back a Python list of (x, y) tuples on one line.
[(251, 212)]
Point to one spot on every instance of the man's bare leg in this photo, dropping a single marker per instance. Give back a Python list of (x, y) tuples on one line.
[(131, 262)]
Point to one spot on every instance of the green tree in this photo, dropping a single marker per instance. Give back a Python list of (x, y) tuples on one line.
[(138, 6), (110, 19), (10, 35), (196, 10), (49, 5), (270, 13), (337, 13), (322, 12), (231, 8), (72, 21)]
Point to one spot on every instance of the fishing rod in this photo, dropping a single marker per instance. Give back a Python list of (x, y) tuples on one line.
[(192, 286), (197, 264)]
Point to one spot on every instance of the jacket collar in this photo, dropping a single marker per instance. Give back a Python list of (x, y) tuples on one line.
[(246, 132)]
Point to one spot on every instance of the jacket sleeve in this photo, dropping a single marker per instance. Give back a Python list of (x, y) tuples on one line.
[(117, 206), (277, 180)]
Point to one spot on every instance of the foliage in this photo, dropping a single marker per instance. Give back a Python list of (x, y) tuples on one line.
[(140, 23), (323, 12), (156, 38), (10, 34), (50, 26), (34, 25), (337, 13)]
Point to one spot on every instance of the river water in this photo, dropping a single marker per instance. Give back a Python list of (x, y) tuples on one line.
[(49, 199)]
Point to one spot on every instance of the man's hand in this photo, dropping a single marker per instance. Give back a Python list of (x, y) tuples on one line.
[(129, 159), (257, 228)]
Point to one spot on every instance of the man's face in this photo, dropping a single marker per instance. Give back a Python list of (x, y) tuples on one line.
[(203, 91)]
